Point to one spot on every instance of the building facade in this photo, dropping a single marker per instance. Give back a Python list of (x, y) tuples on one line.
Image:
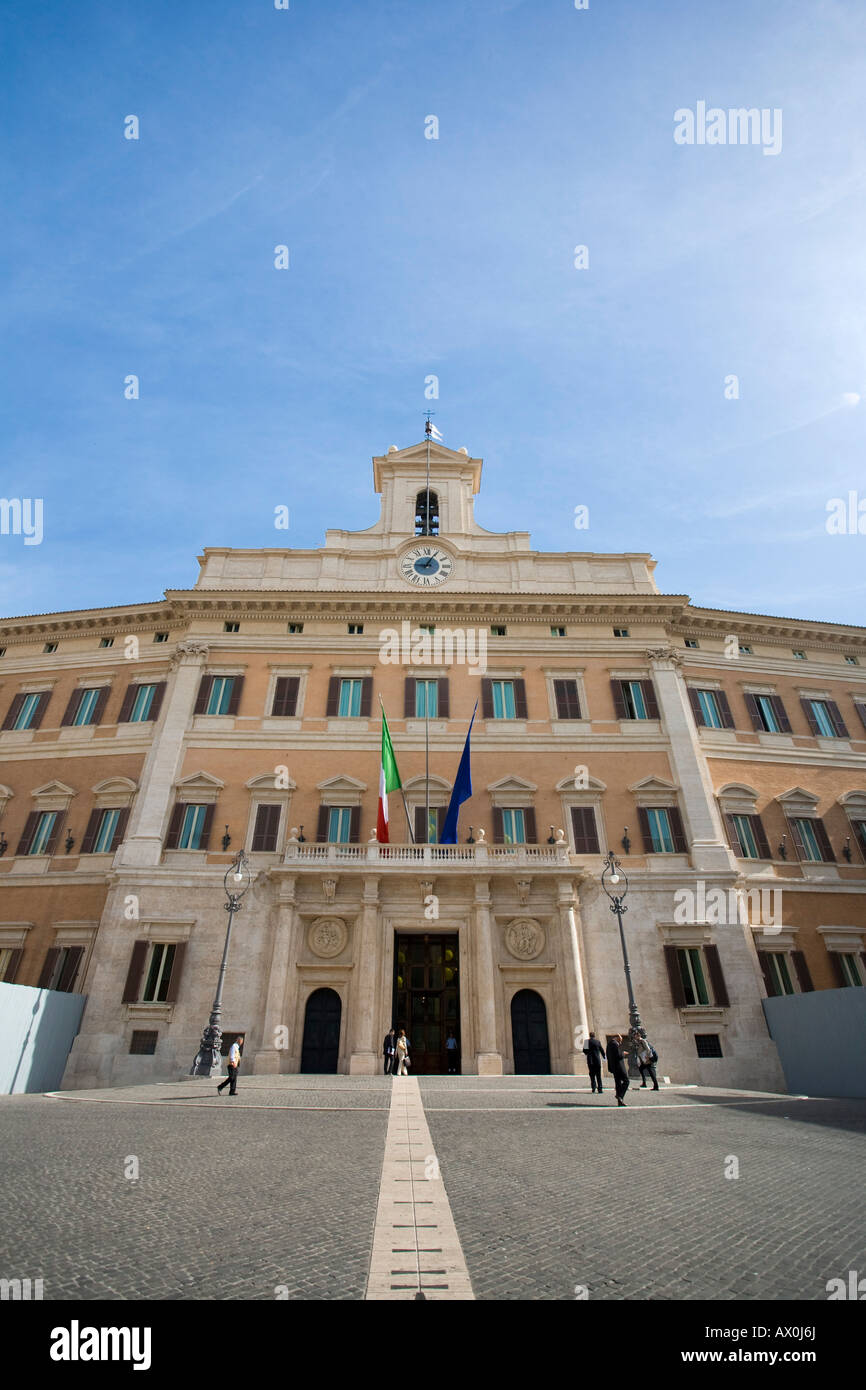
[(721, 755)]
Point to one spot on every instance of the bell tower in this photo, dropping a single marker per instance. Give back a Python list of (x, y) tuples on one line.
[(400, 476)]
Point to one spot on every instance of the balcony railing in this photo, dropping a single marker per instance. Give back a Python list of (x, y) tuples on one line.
[(493, 856)]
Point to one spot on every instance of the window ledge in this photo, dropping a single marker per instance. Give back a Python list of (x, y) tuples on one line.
[(155, 1013), (639, 727), (130, 730), (73, 731), (702, 1013), (768, 740), (348, 723), (213, 721), (580, 727)]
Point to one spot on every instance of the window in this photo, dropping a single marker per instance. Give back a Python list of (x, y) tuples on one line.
[(662, 830), (105, 830), (60, 971), (340, 824), (190, 826), (849, 971), (497, 630), (634, 699), (744, 649), (746, 836), (567, 699), (435, 822), (50, 647), (143, 1043), (158, 965), (692, 976), (231, 627), (26, 711), (514, 825), (824, 718), (503, 700), (426, 699), (356, 629), (142, 704), (557, 632), (849, 660), (711, 709), (350, 698), (296, 628), (426, 513), (810, 840), (2, 651), (266, 829), (621, 632), (778, 973), (10, 959), (767, 713), (106, 641), (585, 830), (86, 706), (692, 642), (285, 702), (708, 1044), (158, 976), (42, 833), (220, 695), (160, 637), (859, 828), (798, 656), (513, 828)]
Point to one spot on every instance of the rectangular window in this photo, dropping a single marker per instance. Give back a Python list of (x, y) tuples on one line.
[(296, 628), (143, 1043), (340, 824), (767, 713), (513, 827), (557, 632), (231, 627), (220, 694), (808, 839), (10, 959), (621, 632), (693, 976), (191, 827), (426, 699), (350, 698), (266, 829), (86, 706), (859, 828), (44, 827), (709, 707), (692, 642), (567, 699), (28, 709), (852, 661), (635, 703), (708, 1044), (497, 630), (356, 629), (140, 712), (744, 649), (848, 967), (160, 637), (106, 641), (780, 975), (105, 833), (799, 656), (746, 836), (159, 974), (286, 690), (821, 717), (50, 647), (61, 968), (585, 830), (661, 835), (503, 700)]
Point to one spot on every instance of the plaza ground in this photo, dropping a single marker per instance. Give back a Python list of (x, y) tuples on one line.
[(276, 1192)]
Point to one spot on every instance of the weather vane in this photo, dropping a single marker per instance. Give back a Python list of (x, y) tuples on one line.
[(430, 429)]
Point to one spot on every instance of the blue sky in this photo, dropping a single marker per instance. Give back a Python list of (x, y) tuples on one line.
[(454, 257)]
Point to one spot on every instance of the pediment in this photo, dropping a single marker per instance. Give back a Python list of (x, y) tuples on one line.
[(204, 781), (738, 789), (54, 789), (121, 786), (512, 784), (266, 781), (593, 784), (799, 795), (653, 784), (417, 784), (341, 784), (854, 802)]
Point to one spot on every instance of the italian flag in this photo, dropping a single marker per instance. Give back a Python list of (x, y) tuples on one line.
[(389, 781)]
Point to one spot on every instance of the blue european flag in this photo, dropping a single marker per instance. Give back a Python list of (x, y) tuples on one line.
[(462, 791)]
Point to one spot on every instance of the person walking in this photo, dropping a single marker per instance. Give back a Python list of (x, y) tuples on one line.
[(388, 1051), (451, 1050), (646, 1062), (594, 1053), (401, 1053), (233, 1061), (616, 1065)]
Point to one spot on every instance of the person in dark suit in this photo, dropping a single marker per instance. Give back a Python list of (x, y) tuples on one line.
[(646, 1062), (388, 1050), (594, 1053), (616, 1065)]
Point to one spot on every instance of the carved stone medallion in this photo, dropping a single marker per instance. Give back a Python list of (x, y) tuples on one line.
[(524, 938), (328, 936)]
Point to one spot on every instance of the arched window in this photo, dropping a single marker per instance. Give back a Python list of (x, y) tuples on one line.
[(426, 514)]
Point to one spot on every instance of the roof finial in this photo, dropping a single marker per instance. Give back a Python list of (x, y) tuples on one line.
[(430, 429)]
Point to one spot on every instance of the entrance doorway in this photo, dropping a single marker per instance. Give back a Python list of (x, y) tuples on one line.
[(321, 1046), (427, 998), (529, 1034)]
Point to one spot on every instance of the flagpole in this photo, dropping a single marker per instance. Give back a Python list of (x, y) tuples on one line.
[(402, 793), (426, 686)]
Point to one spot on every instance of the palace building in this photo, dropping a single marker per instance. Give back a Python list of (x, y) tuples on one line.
[(720, 755)]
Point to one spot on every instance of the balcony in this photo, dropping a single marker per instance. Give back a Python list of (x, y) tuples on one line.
[(422, 857)]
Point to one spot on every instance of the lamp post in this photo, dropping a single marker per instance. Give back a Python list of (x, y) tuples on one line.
[(208, 1059), (615, 884)]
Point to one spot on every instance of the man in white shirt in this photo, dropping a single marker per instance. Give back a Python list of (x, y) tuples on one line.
[(233, 1061)]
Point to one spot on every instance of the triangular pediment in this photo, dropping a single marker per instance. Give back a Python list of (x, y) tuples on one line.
[(341, 784), (512, 784), (53, 789), (798, 795), (203, 781), (653, 784)]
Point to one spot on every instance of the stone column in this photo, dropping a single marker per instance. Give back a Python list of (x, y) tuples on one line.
[(364, 1056), (709, 848), (569, 917), (488, 1057), (143, 844), (276, 1026)]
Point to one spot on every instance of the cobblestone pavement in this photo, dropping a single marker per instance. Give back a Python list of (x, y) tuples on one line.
[(550, 1188)]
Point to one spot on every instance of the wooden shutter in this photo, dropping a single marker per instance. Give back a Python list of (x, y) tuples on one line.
[(717, 979), (727, 717), (48, 967), (204, 690), (643, 822), (420, 831), (696, 707), (366, 696), (71, 708), (39, 712), (764, 962), (235, 697), (176, 968), (567, 699), (760, 837), (174, 825), (18, 700), (322, 827), (520, 699), (804, 976), (51, 842), (498, 834), (409, 698), (70, 969), (649, 699), (101, 702), (119, 829), (858, 705), (12, 965), (332, 708), (286, 696), (733, 837), (28, 832), (444, 698), (797, 838), (486, 698), (355, 825), (836, 719), (91, 832), (841, 981), (128, 702), (156, 702), (781, 715), (266, 827), (585, 830), (824, 842), (672, 962), (681, 844), (619, 705), (529, 827), (206, 826), (810, 715), (133, 974), (754, 712)]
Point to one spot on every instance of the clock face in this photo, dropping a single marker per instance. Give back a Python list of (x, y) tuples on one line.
[(426, 566)]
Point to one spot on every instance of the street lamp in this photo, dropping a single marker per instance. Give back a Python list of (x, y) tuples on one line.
[(615, 884), (208, 1058)]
